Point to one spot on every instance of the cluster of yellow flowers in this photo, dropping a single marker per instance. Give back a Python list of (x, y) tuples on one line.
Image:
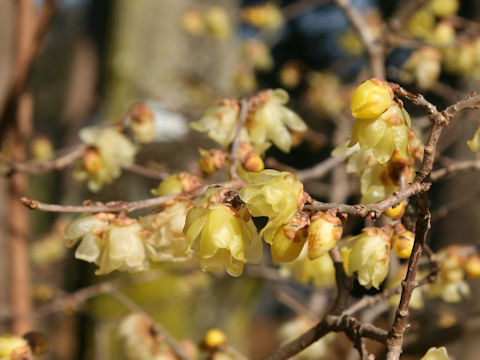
[(109, 149), (460, 54), (456, 262), (268, 120), (222, 236), (368, 254), (381, 124)]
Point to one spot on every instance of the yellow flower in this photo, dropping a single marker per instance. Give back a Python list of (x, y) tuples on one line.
[(219, 122), (211, 160), (326, 95), (270, 120), (472, 266), (108, 151), (371, 99), (474, 144), (395, 280), (320, 272), (142, 123), (214, 338), (367, 254), (177, 184), (41, 148), (396, 212), (423, 67), (421, 23), (276, 195), (168, 242), (218, 23), (257, 54), (323, 233), (402, 243), (222, 237), (111, 243), (443, 8), (289, 239), (436, 354), (14, 348), (450, 285), (383, 134)]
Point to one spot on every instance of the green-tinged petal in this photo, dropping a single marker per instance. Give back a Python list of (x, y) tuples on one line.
[(281, 96), (279, 135), (474, 144), (293, 121), (89, 248), (234, 267), (355, 133), (284, 248), (384, 149), (371, 132), (79, 227), (400, 137)]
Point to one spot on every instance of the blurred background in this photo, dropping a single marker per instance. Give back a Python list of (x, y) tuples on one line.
[(179, 56)]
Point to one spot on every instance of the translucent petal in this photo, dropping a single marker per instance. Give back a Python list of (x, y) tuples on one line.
[(384, 149), (280, 136), (293, 121), (285, 249), (371, 132), (79, 227), (400, 136), (89, 248)]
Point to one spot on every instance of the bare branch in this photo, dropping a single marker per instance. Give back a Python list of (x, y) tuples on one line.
[(373, 47), (244, 108), (395, 335)]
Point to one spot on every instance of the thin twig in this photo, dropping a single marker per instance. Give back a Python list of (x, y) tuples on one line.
[(374, 48), (242, 117), (39, 167), (395, 335)]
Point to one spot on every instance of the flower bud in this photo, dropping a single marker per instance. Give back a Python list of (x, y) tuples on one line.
[(92, 161), (289, 239), (214, 338), (368, 254), (396, 212), (257, 54), (290, 75), (443, 8), (192, 23), (323, 233), (176, 184), (472, 266), (142, 123), (253, 163), (41, 148), (218, 23), (211, 160), (402, 243), (371, 99)]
